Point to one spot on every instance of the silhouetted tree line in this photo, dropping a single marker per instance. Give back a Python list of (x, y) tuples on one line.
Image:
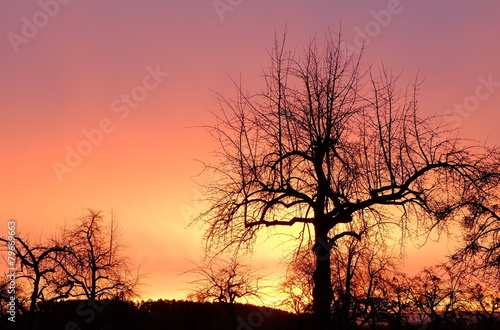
[(84, 260), (370, 291)]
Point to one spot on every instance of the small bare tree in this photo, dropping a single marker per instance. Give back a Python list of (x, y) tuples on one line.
[(396, 290), (226, 281), (298, 283), (38, 273), (437, 293), (96, 264), (483, 300)]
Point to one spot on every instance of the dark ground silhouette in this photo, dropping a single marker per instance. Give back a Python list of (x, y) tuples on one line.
[(161, 314), (187, 315)]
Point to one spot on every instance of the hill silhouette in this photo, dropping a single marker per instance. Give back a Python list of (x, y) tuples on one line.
[(160, 314)]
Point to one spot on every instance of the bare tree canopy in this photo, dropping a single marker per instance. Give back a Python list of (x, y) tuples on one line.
[(37, 273), (96, 263), (328, 143), (225, 280), (482, 238)]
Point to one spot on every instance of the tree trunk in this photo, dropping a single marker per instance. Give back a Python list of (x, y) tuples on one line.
[(34, 294), (345, 316), (322, 291), (93, 281)]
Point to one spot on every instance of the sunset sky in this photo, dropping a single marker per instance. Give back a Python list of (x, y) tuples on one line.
[(124, 85)]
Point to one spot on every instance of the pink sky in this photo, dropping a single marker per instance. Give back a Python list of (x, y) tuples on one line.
[(64, 78)]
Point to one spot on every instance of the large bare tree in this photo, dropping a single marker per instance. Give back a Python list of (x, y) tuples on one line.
[(327, 143)]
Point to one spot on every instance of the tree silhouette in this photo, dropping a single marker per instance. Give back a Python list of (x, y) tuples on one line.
[(37, 274), (396, 290), (483, 297), (225, 281), (437, 293), (298, 284), (96, 264), (327, 143)]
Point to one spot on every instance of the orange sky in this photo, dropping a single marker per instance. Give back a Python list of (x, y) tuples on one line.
[(69, 73)]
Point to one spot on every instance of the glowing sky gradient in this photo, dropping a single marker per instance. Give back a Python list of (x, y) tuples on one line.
[(64, 80)]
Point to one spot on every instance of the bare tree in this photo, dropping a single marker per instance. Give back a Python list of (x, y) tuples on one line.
[(37, 273), (396, 290), (366, 303), (347, 262), (437, 292), (298, 284), (226, 281), (96, 264), (327, 143), (483, 300)]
